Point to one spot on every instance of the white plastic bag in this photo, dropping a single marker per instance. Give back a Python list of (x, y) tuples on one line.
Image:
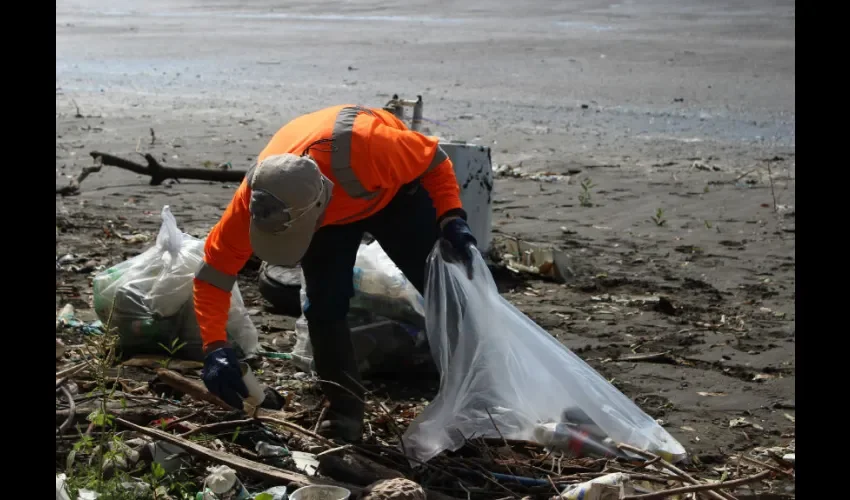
[(493, 358), (148, 298), (380, 289)]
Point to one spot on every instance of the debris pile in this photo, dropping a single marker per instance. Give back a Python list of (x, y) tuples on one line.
[(145, 426), (164, 432)]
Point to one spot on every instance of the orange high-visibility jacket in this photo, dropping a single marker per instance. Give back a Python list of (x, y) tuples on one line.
[(372, 157)]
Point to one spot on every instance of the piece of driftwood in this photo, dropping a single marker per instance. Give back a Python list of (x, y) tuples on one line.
[(73, 187), (158, 173), (239, 464), (198, 391), (195, 390)]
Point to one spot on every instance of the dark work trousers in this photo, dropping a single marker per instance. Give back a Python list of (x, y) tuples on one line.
[(406, 229)]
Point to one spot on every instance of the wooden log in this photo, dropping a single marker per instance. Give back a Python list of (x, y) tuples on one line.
[(159, 173)]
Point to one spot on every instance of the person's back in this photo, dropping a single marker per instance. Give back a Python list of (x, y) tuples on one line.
[(367, 153)]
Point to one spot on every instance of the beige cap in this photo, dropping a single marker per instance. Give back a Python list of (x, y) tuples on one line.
[(289, 195)]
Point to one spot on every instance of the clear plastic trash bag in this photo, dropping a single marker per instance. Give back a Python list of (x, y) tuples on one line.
[(148, 298), (492, 358)]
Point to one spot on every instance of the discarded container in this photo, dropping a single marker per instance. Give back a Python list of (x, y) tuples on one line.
[(265, 449), (578, 491), (543, 260), (256, 390), (222, 484), (61, 490), (306, 462), (570, 438), (66, 316), (320, 492)]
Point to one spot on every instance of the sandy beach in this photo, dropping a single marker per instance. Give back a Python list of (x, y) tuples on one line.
[(687, 107)]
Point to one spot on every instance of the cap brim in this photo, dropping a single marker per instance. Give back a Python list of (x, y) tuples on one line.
[(285, 248)]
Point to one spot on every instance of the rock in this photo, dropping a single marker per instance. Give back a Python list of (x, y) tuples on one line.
[(664, 306), (394, 489)]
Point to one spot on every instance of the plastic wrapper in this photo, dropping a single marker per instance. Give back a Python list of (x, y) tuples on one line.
[(382, 289), (498, 368), (387, 317), (148, 298)]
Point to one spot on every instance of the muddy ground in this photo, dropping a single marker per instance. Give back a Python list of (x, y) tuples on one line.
[(663, 105)]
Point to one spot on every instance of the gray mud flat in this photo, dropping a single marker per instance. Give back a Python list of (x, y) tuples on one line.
[(662, 104)]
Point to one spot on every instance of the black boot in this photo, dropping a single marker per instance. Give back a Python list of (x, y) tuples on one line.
[(333, 353)]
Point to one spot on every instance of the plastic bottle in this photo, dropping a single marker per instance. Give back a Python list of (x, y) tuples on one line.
[(65, 316), (222, 484), (569, 438), (265, 449)]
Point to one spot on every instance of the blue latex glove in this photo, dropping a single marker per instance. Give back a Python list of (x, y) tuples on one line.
[(457, 233), (223, 377)]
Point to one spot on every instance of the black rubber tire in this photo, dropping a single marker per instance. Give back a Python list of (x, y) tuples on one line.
[(281, 287)]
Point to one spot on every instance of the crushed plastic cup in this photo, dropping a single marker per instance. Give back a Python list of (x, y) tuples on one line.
[(256, 391), (578, 491), (320, 492), (222, 482)]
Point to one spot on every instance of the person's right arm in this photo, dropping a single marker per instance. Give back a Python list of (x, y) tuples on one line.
[(226, 250)]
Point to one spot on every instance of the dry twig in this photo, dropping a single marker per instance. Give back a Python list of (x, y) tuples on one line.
[(240, 464), (672, 468), (699, 487), (766, 466), (159, 173)]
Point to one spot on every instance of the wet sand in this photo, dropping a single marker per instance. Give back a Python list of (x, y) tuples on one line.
[(662, 104)]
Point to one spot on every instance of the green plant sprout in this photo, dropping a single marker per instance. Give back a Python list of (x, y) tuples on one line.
[(658, 218), (584, 197), (176, 345)]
